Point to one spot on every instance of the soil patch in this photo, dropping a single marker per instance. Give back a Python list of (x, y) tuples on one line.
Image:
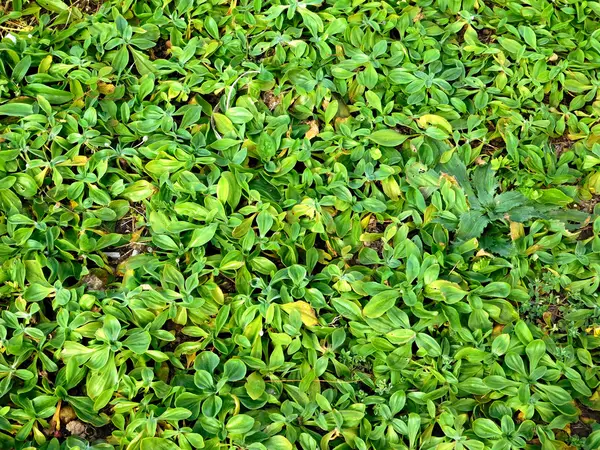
[(561, 145), (162, 50), (375, 227), (582, 427)]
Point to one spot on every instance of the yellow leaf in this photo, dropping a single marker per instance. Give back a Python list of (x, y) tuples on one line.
[(190, 360), (307, 313), (432, 119), (595, 330)]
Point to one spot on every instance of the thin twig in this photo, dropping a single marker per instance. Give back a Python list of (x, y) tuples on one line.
[(233, 86), (227, 102), (212, 122)]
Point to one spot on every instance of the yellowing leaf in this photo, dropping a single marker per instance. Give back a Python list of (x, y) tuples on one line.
[(278, 443), (446, 291), (138, 191), (255, 385), (313, 131), (223, 123), (79, 160), (516, 230), (391, 188), (307, 313), (432, 119), (106, 88)]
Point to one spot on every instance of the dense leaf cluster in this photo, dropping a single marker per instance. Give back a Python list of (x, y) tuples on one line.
[(282, 224)]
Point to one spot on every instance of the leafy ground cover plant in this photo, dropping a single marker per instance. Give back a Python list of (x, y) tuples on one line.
[(275, 225)]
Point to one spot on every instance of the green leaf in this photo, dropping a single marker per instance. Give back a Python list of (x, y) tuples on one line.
[(429, 344), (500, 344), (175, 414), (56, 6), (510, 44), (201, 236), (523, 333), (313, 225), (387, 138), (54, 96), (138, 191), (495, 289), (239, 115), (21, 68), (445, 291), (15, 109), (154, 443), (555, 394), (528, 35), (487, 429), (347, 308), (36, 292), (240, 424), (138, 342), (255, 385), (536, 349), (121, 59), (380, 303), (401, 336), (234, 370), (278, 443)]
